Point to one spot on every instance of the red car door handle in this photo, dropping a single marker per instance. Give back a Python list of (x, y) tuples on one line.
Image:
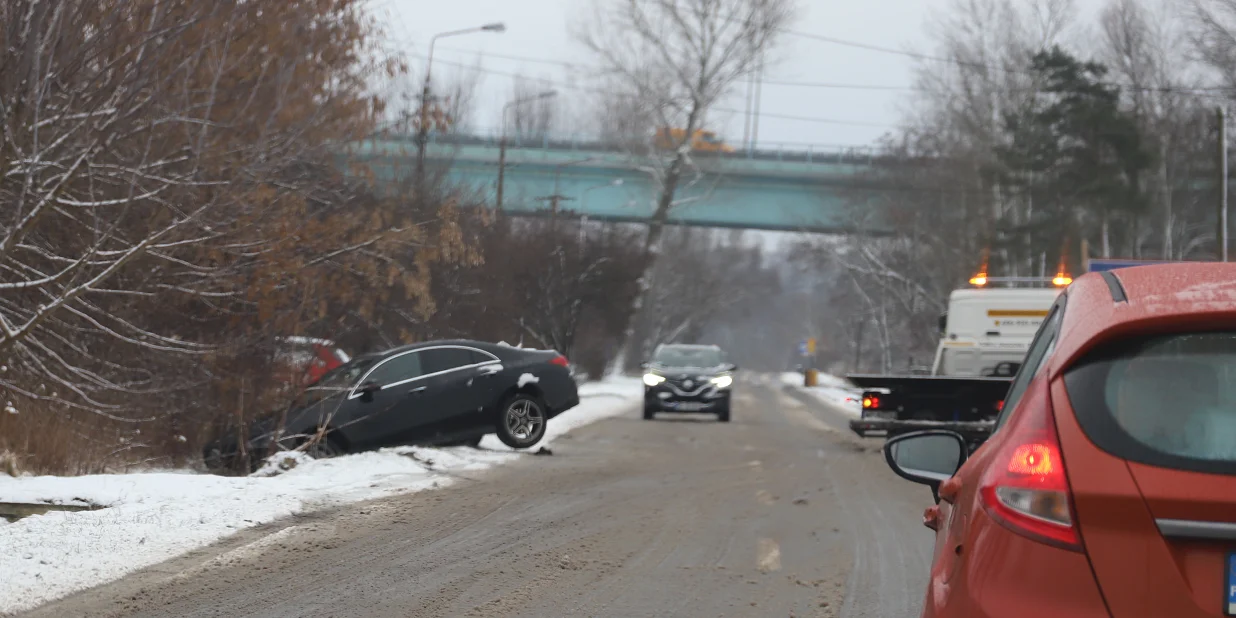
[(949, 489), (931, 517)]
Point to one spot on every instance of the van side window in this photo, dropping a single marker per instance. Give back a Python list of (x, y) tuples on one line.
[(1040, 350)]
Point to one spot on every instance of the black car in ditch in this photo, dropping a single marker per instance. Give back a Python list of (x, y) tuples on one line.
[(446, 393), (688, 378)]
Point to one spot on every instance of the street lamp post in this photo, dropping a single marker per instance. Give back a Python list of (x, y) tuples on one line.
[(548, 94), (422, 134)]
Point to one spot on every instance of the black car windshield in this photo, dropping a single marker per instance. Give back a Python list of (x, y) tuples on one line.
[(687, 357)]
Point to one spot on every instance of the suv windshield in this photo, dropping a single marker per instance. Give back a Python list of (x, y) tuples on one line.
[(1168, 401), (687, 357)]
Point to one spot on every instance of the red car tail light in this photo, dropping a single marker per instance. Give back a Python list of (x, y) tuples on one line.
[(560, 361), (871, 402), (1025, 487)]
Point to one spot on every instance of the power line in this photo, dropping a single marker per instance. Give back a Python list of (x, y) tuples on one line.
[(1199, 90), (766, 82), (1203, 91), (593, 90)]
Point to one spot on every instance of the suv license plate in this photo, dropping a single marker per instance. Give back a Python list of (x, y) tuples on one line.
[(689, 405)]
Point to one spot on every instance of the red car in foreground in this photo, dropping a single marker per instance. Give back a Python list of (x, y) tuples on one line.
[(1108, 487)]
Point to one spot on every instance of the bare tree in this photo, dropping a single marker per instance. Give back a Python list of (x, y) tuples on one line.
[(1214, 35), (537, 117), (704, 280), (622, 118), (1147, 47), (451, 107), (172, 203), (675, 59)]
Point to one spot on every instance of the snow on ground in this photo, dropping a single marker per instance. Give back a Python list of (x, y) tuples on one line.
[(831, 389), (151, 517)]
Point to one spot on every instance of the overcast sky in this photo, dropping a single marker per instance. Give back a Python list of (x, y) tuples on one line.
[(540, 29)]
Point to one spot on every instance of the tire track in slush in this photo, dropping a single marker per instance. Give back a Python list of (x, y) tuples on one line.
[(890, 557), (890, 570)]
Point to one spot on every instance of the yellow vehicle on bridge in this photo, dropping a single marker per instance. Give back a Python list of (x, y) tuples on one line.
[(701, 140)]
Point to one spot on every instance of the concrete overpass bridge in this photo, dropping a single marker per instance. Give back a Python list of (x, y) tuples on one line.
[(820, 190)]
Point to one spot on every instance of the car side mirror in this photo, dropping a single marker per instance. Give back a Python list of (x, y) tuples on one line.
[(926, 457), (367, 390), (731, 367), (644, 365)]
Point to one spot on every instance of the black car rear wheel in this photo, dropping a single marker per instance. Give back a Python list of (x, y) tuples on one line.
[(522, 421), (325, 448)]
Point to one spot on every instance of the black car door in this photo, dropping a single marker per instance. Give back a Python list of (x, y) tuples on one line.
[(458, 390), (486, 384), (383, 416)]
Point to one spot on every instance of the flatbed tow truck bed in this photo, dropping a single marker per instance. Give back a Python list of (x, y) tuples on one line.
[(895, 404), (875, 427)]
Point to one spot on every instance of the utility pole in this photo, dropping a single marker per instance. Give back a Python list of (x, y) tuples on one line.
[(554, 200), (422, 131), (548, 94), (501, 168), (1222, 231), (746, 119), (755, 118)]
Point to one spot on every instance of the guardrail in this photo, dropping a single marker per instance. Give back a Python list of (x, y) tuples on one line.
[(799, 153)]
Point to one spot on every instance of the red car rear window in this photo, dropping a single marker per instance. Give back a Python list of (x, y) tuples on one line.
[(1168, 401)]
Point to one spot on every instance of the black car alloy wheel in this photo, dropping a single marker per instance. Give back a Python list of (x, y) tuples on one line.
[(324, 448), (523, 421)]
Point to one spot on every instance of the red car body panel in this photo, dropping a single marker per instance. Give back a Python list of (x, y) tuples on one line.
[(1126, 567), (983, 569)]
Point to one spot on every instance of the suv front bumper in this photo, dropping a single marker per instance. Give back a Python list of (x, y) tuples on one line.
[(661, 398)]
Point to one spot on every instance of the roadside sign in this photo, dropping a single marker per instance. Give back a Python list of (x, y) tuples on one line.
[(811, 346), (802, 348)]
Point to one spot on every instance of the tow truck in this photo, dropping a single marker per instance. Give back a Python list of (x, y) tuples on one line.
[(984, 336)]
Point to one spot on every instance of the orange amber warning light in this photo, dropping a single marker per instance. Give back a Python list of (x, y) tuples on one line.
[(1061, 279), (979, 280)]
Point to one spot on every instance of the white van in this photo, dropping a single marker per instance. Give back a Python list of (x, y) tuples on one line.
[(987, 331)]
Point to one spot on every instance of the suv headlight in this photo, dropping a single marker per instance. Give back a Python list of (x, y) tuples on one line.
[(652, 379), (722, 381)]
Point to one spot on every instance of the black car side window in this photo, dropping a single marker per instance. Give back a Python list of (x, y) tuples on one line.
[(445, 359), (479, 357), (397, 369), (1040, 349)]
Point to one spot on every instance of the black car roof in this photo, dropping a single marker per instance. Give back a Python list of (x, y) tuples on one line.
[(488, 347)]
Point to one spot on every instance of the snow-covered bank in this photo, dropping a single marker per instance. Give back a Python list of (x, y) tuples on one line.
[(151, 517), (830, 389)]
